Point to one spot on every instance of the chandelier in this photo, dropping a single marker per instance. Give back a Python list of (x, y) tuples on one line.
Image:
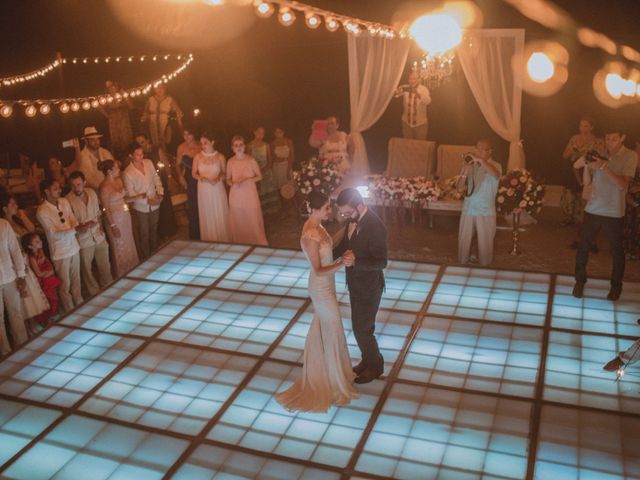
[(435, 69)]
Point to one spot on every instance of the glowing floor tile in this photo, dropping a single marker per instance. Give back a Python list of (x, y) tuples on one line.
[(196, 263), (209, 462), (61, 365), (169, 387), (392, 329), (464, 354), (578, 444), (256, 421), (432, 433), (19, 424), (593, 312), (266, 270), (574, 373), (132, 306), (234, 321), (483, 294), (84, 448)]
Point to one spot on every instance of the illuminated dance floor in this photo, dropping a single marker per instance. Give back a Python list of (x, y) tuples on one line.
[(171, 371)]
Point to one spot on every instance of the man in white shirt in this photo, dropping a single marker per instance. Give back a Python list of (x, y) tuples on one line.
[(141, 182), (88, 158), (12, 287), (59, 224), (415, 98), (90, 235)]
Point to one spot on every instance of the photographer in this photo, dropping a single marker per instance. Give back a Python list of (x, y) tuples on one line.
[(415, 98), (605, 209), (480, 175)]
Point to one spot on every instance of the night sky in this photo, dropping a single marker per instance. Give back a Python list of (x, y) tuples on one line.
[(250, 71)]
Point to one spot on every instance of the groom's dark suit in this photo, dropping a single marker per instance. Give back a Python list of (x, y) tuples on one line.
[(366, 283)]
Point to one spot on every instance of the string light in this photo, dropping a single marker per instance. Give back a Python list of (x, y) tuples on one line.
[(332, 24), (67, 105), (264, 9), (25, 77), (286, 17), (312, 20)]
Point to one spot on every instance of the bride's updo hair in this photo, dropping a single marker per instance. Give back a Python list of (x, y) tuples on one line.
[(316, 200)]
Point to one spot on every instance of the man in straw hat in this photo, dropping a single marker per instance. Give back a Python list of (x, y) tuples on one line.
[(88, 158)]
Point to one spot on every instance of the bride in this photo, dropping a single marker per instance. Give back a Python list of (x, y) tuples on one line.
[(326, 377)]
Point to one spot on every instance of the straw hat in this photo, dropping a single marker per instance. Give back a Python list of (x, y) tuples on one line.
[(91, 132)]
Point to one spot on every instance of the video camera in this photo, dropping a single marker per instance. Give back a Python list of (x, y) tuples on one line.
[(594, 155)]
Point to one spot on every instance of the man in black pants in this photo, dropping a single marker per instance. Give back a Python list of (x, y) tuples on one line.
[(605, 209), (363, 248)]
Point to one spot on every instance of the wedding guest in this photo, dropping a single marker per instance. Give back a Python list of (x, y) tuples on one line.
[(245, 214), (283, 157), (12, 287), (90, 235), (632, 216), (117, 114), (167, 225), (187, 151), (579, 144), (47, 280), (336, 148), (143, 185), (87, 159), (34, 301), (119, 227), (605, 209), (209, 171), (415, 98), (56, 171), (480, 177), (158, 111), (259, 149), (59, 224)]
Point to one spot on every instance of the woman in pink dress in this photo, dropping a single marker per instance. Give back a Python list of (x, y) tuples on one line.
[(119, 230), (245, 214)]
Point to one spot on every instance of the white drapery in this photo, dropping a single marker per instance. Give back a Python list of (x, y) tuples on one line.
[(375, 68), (492, 63)]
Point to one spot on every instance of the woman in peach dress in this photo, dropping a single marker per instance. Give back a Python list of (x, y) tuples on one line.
[(245, 214)]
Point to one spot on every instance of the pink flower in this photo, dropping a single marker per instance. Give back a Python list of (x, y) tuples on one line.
[(510, 192), (514, 182), (316, 182), (523, 204), (523, 179), (500, 200)]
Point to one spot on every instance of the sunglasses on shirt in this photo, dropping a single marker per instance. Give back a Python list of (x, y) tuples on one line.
[(60, 214)]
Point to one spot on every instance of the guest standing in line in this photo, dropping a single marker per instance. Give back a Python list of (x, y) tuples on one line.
[(56, 171), (267, 190), (283, 157), (59, 224), (213, 207), (336, 148), (187, 151), (143, 185), (87, 159), (158, 112), (117, 114), (245, 214), (119, 227)]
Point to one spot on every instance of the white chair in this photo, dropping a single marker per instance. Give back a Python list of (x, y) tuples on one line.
[(410, 158), (450, 159)]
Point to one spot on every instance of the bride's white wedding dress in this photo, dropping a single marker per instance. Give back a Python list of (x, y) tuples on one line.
[(327, 377)]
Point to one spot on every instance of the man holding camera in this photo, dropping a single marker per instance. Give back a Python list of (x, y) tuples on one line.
[(415, 98), (480, 175), (605, 209)]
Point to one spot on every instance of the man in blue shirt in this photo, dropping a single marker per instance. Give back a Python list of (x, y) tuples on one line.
[(481, 177), (605, 209)]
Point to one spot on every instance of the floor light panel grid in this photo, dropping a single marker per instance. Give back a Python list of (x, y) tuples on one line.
[(165, 360), (193, 263), (62, 365), (483, 294), (234, 321), (133, 307), (474, 355), (170, 387), (593, 312), (392, 329)]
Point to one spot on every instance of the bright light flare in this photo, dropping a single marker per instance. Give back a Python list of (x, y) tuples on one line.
[(546, 68), (540, 67), (436, 33)]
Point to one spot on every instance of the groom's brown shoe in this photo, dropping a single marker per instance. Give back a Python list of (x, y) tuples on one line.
[(368, 375), (359, 368)]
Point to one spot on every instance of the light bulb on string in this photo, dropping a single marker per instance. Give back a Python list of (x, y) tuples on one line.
[(95, 103), (30, 111), (332, 24), (75, 106), (312, 20), (86, 105), (6, 111), (102, 100), (64, 107), (265, 9), (45, 108), (286, 17)]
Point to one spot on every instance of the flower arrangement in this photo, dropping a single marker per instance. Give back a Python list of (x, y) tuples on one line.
[(408, 190), (449, 188), (317, 175), (518, 191)]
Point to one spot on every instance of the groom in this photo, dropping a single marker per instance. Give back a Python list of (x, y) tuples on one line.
[(364, 250)]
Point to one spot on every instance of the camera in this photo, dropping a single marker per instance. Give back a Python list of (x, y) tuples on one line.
[(468, 158), (594, 155)]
